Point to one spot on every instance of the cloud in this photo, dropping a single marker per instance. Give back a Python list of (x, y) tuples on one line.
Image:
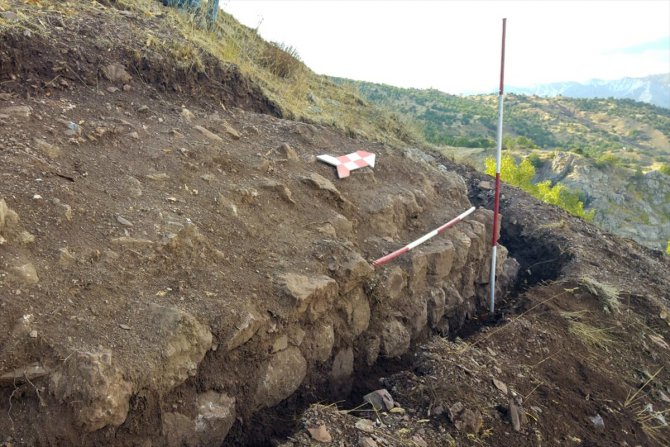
[(661, 44)]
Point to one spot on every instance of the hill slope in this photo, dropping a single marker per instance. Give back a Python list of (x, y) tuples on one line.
[(621, 144), (176, 268)]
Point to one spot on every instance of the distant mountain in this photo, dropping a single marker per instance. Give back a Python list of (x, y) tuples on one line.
[(653, 89)]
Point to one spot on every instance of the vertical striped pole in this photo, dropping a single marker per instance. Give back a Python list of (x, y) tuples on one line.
[(496, 203)]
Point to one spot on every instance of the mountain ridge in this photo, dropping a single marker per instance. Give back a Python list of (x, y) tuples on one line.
[(652, 89)]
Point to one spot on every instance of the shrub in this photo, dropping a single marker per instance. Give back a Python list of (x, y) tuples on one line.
[(535, 160), (280, 59), (607, 161), (521, 175), (665, 169)]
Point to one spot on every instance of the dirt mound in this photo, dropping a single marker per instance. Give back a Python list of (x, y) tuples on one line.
[(170, 267), (176, 266), (48, 50)]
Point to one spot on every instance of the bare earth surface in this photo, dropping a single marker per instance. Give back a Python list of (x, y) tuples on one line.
[(176, 268)]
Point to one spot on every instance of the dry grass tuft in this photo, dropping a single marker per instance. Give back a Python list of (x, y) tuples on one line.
[(607, 294), (590, 335), (281, 60)]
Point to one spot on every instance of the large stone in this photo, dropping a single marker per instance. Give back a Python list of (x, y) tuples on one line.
[(247, 321), (436, 307), (94, 386), (343, 365), (440, 259), (116, 73), (395, 339), (318, 344), (368, 347), (178, 429), (216, 414), (418, 272), (183, 344), (8, 217), (320, 182), (391, 285), (280, 377), (309, 295), (360, 313), (352, 271)]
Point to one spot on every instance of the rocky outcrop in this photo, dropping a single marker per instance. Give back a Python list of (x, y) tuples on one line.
[(629, 205)]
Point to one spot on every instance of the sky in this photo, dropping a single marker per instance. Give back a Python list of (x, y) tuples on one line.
[(454, 46)]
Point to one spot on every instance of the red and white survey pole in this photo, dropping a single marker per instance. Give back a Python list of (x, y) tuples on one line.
[(496, 203)]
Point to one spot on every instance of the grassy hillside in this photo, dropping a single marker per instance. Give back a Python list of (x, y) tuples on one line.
[(296, 91), (627, 132)]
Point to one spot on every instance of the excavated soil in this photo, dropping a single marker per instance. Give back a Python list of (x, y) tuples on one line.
[(176, 268)]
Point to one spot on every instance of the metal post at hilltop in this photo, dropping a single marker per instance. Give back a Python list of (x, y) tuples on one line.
[(496, 203)]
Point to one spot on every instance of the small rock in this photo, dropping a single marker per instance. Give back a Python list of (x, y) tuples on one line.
[(124, 326), (143, 109), (116, 73), (209, 134), (280, 344), (126, 88), (134, 135), (10, 16), (123, 221), (380, 399), (68, 212), (27, 273), (500, 385), (66, 258), (187, 115), (320, 434), (597, 421), (365, 425), (515, 416), (288, 152), (231, 131), (47, 148), (33, 334), (469, 421), (485, 185), (112, 89), (26, 238), (159, 177), (17, 111), (73, 129)]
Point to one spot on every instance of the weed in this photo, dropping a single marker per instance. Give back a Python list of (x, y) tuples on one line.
[(281, 60), (606, 293), (590, 335)]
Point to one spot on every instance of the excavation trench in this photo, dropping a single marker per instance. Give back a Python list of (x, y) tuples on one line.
[(539, 259)]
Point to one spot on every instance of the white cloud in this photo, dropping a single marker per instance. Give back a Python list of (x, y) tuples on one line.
[(455, 45)]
